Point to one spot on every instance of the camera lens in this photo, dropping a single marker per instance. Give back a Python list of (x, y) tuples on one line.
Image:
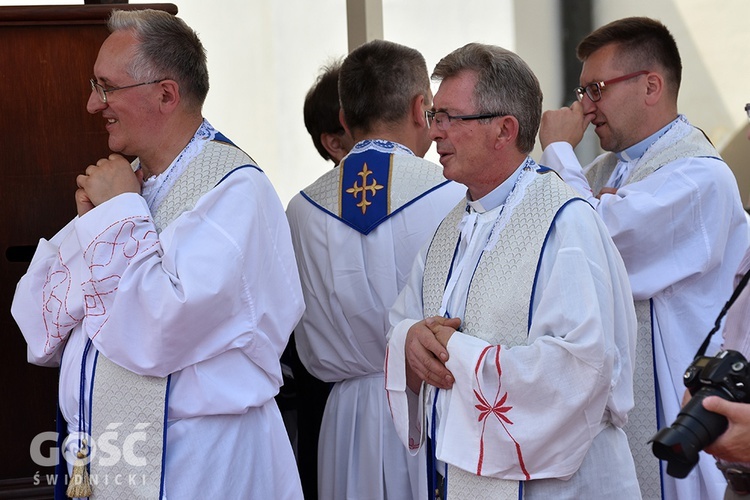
[(693, 429)]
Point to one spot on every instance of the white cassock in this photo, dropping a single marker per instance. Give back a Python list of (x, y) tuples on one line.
[(350, 278), (681, 232), (568, 383), (211, 300)]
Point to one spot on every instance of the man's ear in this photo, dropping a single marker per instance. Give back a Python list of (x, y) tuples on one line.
[(506, 131), (417, 111), (654, 88), (170, 94), (333, 144)]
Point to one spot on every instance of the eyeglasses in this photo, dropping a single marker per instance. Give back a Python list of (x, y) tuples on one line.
[(594, 90), (102, 92), (443, 120)]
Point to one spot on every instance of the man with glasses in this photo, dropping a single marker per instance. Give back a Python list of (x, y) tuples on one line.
[(356, 231), (511, 350), (173, 293), (673, 209)]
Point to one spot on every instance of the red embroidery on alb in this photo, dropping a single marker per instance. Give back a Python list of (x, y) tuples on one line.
[(107, 259), (58, 320), (497, 408)]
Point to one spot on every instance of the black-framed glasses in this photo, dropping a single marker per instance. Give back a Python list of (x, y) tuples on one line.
[(102, 91), (443, 120), (594, 89)]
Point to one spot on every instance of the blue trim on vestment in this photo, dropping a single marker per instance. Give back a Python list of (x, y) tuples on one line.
[(541, 255), (453, 259), (430, 456), (249, 165), (657, 392), (383, 219), (432, 484), (219, 137), (541, 169), (61, 426), (91, 394), (164, 438), (61, 470)]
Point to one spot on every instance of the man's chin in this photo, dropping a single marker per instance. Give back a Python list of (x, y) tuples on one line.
[(116, 147), (449, 174), (604, 141)]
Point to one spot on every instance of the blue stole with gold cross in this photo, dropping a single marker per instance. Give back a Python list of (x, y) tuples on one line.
[(365, 196), (375, 181)]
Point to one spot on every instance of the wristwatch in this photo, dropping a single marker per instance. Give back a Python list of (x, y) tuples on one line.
[(737, 475)]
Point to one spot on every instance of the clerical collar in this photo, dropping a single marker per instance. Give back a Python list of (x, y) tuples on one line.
[(381, 145), (636, 151), (499, 195)]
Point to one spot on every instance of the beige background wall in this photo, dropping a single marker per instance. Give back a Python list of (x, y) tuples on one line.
[(264, 54)]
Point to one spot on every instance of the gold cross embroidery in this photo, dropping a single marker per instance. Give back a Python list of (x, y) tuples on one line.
[(355, 189)]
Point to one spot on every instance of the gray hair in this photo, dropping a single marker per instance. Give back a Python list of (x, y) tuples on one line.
[(505, 84), (167, 48)]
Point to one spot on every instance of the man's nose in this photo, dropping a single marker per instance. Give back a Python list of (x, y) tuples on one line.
[(95, 104)]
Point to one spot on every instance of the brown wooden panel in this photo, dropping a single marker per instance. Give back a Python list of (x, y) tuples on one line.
[(46, 139), (67, 14)]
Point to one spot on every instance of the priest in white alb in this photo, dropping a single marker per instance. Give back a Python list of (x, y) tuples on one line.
[(356, 231), (168, 300), (511, 350)]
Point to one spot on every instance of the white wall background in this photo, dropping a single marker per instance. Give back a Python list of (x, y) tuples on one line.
[(264, 54)]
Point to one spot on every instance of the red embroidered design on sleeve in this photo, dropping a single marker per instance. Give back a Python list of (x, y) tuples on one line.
[(58, 320), (107, 257), (498, 408)]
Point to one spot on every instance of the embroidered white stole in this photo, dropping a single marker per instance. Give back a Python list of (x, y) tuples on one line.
[(498, 303), (135, 406), (682, 141)]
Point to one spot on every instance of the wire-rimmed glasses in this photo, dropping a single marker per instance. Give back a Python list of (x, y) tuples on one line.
[(101, 91)]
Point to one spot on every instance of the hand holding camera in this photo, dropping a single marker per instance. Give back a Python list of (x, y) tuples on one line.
[(726, 375)]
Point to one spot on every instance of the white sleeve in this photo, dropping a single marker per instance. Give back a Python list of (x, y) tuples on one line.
[(669, 226), (47, 305), (560, 157), (221, 276), (532, 411), (406, 407)]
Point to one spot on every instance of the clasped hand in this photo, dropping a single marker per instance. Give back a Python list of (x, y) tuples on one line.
[(110, 177), (426, 352)]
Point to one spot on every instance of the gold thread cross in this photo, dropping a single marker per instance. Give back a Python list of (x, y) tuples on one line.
[(373, 188)]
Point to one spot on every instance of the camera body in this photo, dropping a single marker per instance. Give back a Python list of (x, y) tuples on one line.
[(726, 375)]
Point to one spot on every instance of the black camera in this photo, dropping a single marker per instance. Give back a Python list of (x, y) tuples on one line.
[(726, 375)]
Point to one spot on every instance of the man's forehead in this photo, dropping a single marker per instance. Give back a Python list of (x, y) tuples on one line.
[(115, 55), (600, 65), (455, 92)]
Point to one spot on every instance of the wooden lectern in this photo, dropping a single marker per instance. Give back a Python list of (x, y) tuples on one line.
[(46, 139)]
